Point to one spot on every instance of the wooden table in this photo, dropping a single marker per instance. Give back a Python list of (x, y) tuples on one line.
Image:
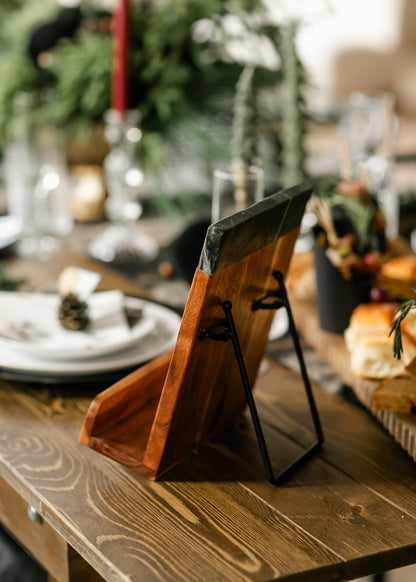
[(349, 511)]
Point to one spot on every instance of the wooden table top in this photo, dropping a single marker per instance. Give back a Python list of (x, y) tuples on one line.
[(349, 511)]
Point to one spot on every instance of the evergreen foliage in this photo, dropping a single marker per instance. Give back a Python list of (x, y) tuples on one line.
[(402, 312), (245, 129), (184, 87), (293, 116)]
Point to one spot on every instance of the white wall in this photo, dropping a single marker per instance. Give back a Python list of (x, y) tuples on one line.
[(331, 26)]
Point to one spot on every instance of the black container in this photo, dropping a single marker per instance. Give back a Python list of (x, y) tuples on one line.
[(336, 296)]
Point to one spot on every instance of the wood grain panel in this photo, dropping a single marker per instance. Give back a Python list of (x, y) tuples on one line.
[(42, 541), (366, 451), (199, 526), (342, 509), (232, 524), (202, 390), (214, 516), (348, 512), (39, 538)]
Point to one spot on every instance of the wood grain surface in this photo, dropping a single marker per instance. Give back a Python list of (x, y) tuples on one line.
[(347, 512), (41, 276)]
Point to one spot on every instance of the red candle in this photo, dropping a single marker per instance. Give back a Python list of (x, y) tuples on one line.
[(120, 57)]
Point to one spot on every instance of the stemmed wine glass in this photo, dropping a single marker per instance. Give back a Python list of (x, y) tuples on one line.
[(367, 134), (123, 241)]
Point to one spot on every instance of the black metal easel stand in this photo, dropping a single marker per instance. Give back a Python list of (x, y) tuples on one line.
[(275, 300)]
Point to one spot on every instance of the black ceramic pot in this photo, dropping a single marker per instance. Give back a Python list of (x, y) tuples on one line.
[(336, 297)]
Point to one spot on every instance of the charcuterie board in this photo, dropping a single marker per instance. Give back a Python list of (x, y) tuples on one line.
[(332, 349)]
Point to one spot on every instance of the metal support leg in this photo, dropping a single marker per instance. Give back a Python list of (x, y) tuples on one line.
[(230, 332), (227, 307)]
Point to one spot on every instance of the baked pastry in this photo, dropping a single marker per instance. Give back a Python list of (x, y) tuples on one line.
[(398, 277), (373, 357), (369, 319), (408, 325), (403, 268)]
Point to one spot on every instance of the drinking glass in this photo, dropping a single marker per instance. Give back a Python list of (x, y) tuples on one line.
[(367, 135), (123, 241), (36, 178), (235, 189)]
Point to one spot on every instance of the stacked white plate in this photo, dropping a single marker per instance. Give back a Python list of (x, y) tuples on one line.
[(34, 343), (10, 231)]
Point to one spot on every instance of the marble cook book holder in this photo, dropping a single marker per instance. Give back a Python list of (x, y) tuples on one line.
[(155, 416)]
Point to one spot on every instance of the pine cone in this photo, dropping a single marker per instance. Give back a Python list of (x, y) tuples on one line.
[(72, 313)]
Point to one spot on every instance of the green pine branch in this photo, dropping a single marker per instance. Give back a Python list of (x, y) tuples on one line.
[(244, 142), (293, 118), (399, 316)]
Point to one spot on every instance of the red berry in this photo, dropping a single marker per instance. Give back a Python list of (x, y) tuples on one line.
[(378, 295), (372, 261)]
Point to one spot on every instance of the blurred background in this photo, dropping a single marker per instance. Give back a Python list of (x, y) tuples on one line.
[(118, 114), (184, 62)]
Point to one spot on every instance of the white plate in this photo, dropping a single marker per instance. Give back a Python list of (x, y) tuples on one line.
[(10, 230), (162, 338), (29, 324)]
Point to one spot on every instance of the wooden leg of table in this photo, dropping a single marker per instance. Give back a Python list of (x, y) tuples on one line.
[(79, 570)]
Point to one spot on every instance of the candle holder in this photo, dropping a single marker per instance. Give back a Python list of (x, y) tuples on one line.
[(123, 241)]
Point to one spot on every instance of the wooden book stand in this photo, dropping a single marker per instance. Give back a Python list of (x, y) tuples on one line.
[(156, 415)]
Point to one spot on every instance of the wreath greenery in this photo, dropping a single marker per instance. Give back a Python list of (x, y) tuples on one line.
[(183, 86)]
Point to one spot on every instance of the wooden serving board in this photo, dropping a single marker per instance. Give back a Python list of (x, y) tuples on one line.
[(157, 415), (332, 348)]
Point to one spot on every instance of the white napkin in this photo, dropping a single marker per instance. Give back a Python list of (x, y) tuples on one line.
[(81, 282), (30, 322)]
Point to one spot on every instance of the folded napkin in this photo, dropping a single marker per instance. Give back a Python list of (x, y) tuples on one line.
[(29, 322)]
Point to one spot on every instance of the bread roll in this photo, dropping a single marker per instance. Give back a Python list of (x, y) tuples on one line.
[(403, 268), (369, 319), (398, 276), (373, 357), (408, 325)]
